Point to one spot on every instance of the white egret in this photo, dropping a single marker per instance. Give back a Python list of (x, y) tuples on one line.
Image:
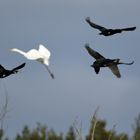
[(41, 55)]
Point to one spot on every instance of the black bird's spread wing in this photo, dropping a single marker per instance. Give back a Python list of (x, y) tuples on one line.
[(93, 53), (1, 69), (115, 70), (129, 29), (95, 25), (19, 67)]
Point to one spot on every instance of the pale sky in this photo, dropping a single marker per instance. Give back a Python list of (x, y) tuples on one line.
[(77, 90)]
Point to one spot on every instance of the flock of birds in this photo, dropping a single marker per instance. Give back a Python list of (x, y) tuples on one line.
[(42, 55), (101, 61)]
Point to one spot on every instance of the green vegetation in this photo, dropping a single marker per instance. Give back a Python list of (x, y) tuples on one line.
[(97, 131)]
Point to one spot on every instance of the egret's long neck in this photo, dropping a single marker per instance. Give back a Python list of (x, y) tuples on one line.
[(18, 51)]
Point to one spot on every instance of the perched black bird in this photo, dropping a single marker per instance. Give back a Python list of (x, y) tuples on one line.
[(105, 31), (4, 73), (101, 61)]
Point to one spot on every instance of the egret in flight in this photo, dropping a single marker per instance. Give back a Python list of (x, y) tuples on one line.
[(4, 72), (105, 31), (101, 61), (41, 55)]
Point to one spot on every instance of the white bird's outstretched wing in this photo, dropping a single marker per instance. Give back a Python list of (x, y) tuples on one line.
[(44, 51)]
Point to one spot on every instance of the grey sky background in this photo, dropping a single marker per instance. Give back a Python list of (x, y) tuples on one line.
[(77, 90)]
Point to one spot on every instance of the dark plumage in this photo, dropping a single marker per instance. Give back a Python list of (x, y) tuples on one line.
[(101, 61), (105, 31), (4, 72)]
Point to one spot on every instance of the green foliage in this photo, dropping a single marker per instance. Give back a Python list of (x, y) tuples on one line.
[(51, 135), (136, 128), (71, 134), (100, 131), (39, 133), (1, 134), (42, 133)]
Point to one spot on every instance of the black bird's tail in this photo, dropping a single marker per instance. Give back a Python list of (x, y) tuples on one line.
[(15, 70)]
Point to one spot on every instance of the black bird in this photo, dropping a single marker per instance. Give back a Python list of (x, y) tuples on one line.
[(101, 61), (4, 72), (105, 31)]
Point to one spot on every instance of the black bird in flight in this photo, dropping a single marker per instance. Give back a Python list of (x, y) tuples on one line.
[(101, 61), (4, 72), (105, 31)]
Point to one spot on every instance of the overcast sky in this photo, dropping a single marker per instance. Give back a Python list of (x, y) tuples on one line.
[(77, 90)]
